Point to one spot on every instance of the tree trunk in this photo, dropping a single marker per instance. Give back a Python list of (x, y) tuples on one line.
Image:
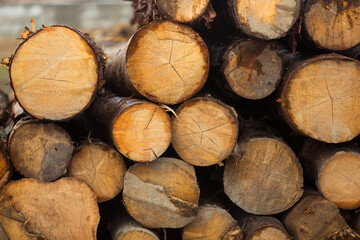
[(163, 61), (100, 166), (5, 168), (55, 72), (333, 24), (182, 11), (161, 194), (315, 218), (262, 175), (319, 98), (212, 223), (204, 131), (140, 130), (65, 209), (334, 170), (264, 19), (40, 150)]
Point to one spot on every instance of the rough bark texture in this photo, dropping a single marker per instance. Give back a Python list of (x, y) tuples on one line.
[(162, 194), (212, 223), (140, 130), (264, 19), (5, 168), (334, 170), (163, 61), (65, 209), (262, 175), (204, 131), (40, 150), (333, 24), (319, 98), (62, 78), (100, 166)]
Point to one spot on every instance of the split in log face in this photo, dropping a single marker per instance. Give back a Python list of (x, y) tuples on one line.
[(205, 131), (164, 61), (265, 19), (333, 24), (55, 73), (320, 98), (182, 10), (40, 150), (100, 166), (161, 194)]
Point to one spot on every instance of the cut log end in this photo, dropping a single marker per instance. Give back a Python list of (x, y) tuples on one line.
[(252, 69), (137, 234), (58, 81), (265, 19), (183, 10), (333, 24), (5, 169), (205, 131), (142, 132), (320, 98), (100, 166)]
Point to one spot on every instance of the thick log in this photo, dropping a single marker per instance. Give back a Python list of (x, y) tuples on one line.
[(319, 98), (40, 150), (204, 131), (264, 19), (5, 168), (163, 61), (212, 223), (262, 175), (100, 166), (55, 72), (140, 130), (161, 194), (65, 209), (182, 11), (334, 170), (333, 24)]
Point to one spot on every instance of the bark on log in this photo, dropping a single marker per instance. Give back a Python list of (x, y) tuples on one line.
[(100, 166), (140, 130), (182, 11), (55, 72), (212, 223), (262, 175), (162, 194), (333, 24), (204, 131), (264, 19), (65, 209), (163, 61), (252, 69), (320, 98), (40, 150), (5, 168), (334, 170)]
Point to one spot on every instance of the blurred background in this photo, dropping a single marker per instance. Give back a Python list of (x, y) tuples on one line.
[(106, 21)]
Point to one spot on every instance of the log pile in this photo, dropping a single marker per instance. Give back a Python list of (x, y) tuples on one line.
[(218, 120)]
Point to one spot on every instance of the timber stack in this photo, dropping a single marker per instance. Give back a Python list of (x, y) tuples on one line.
[(217, 120)]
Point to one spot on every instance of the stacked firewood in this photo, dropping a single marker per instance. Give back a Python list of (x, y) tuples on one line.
[(218, 120)]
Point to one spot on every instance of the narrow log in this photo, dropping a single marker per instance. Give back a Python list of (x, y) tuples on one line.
[(5, 168), (40, 150), (333, 24), (140, 130), (262, 175), (264, 19), (182, 11), (204, 131), (100, 166), (314, 217), (163, 61), (161, 194), (65, 209), (319, 98), (55, 72), (334, 170), (212, 223)]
